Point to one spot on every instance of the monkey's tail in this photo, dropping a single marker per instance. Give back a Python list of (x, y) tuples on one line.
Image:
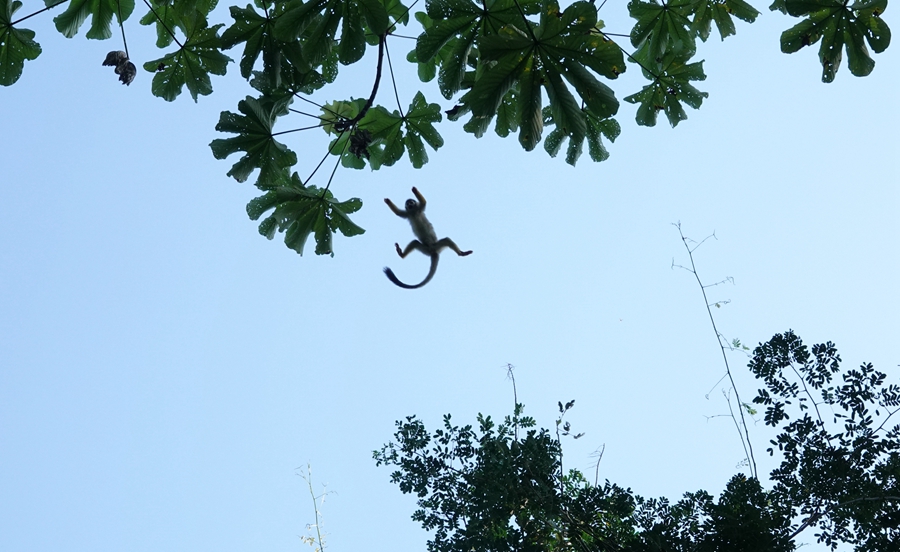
[(431, 271)]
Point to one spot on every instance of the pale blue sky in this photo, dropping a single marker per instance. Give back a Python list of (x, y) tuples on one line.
[(164, 369)]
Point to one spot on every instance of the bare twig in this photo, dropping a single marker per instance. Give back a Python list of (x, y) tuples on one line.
[(743, 431)]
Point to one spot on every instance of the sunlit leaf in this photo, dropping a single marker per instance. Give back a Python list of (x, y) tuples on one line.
[(299, 211), (101, 12), (190, 65), (16, 45), (255, 138)]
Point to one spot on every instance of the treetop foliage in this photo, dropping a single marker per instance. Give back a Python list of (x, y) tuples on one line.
[(532, 68), (501, 487)]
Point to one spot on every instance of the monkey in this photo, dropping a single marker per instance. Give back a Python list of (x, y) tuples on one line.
[(427, 242)]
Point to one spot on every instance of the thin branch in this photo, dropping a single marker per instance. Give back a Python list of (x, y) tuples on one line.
[(307, 100), (509, 374), (329, 152), (745, 437), (319, 117), (818, 515), (393, 81), (336, 165), (597, 465), (808, 394), (161, 22), (122, 27), (624, 51), (17, 21), (402, 15), (525, 19), (320, 125), (371, 100), (312, 494)]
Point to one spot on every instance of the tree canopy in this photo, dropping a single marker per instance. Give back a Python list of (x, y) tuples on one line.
[(533, 68), (502, 487)]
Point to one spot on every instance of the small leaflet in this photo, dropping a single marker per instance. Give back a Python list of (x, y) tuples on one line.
[(124, 68)]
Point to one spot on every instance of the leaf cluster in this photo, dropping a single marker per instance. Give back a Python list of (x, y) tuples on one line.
[(502, 487), (527, 67), (840, 464)]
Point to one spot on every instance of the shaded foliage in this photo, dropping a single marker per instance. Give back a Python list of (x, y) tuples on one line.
[(501, 487), (521, 66)]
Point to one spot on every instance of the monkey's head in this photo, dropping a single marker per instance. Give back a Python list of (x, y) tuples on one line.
[(412, 206)]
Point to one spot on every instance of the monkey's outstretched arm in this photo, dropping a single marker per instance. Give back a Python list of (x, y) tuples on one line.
[(399, 212), (420, 197)]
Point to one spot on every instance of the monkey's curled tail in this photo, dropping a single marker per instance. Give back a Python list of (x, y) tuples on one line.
[(431, 271)]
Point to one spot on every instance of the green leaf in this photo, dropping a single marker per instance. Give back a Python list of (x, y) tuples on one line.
[(254, 130), (420, 119), (840, 27), (190, 65), (452, 27), (171, 15), (387, 131), (595, 129), (255, 31), (661, 28), (564, 49), (16, 45), (300, 210), (508, 115), (531, 124), (669, 90), (69, 21), (315, 24), (707, 11)]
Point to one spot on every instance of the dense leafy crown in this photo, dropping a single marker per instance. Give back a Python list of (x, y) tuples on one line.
[(502, 487), (529, 67)]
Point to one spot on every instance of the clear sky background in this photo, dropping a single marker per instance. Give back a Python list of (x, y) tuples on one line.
[(165, 370)]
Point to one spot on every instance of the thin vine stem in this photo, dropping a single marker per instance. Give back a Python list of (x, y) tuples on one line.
[(745, 436), (161, 22), (122, 26), (337, 164), (525, 19), (320, 125), (393, 80), (329, 152), (17, 21), (362, 113)]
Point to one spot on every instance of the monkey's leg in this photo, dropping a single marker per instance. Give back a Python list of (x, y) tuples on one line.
[(447, 242), (415, 244)]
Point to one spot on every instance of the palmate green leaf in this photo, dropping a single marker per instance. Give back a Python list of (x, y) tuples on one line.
[(101, 12), (303, 210), (669, 91), (16, 45), (314, 24), (661, 28), (172, 15), (595, 129), (419, 120), (190, 65), (452, 27), (392, 134), (564, 51), (720, 11), (255, 31), (839, 26), (254, 136)]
